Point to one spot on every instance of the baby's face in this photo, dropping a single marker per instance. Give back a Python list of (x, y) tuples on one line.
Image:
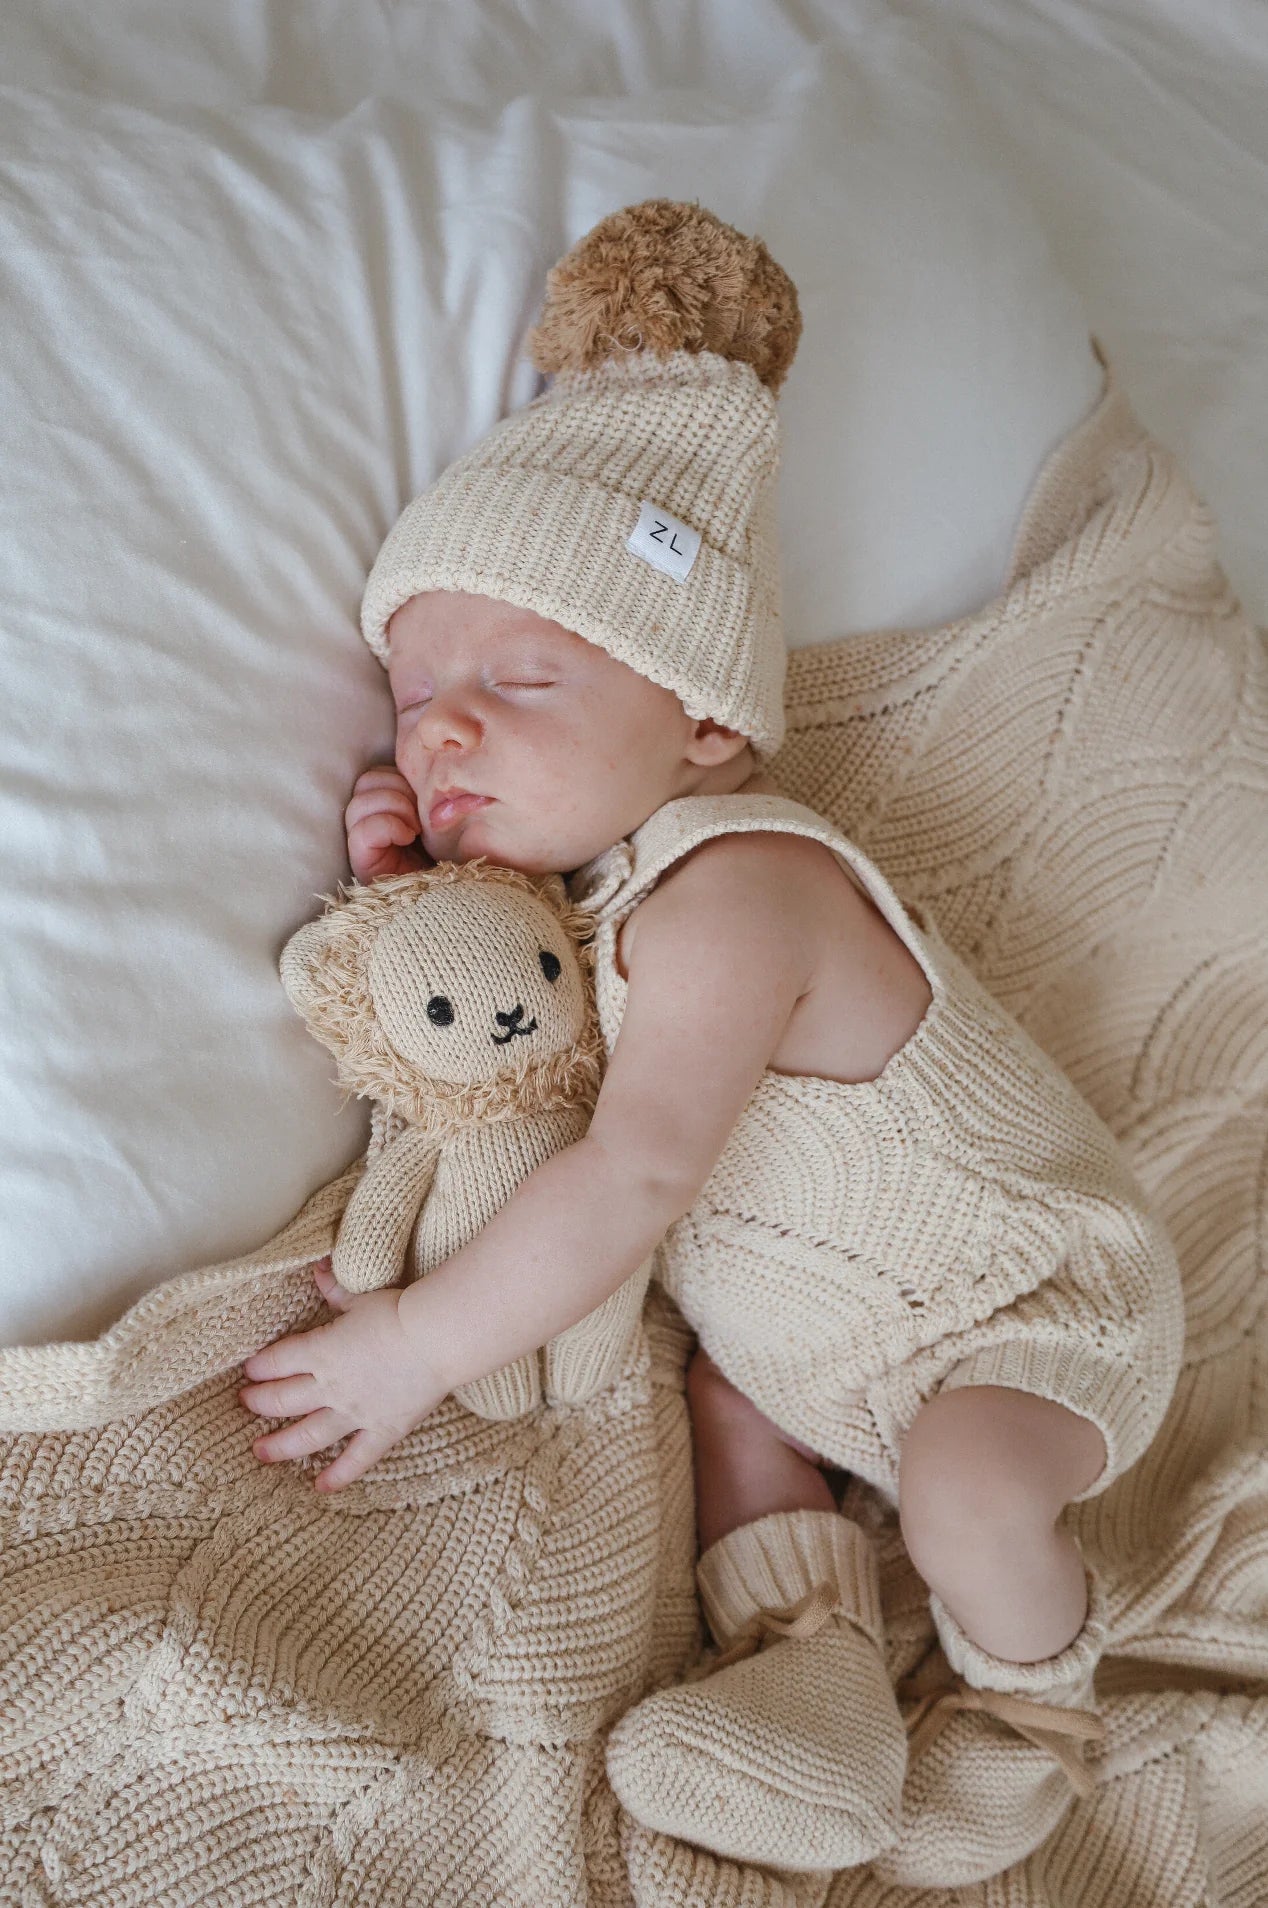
[(524, 742)]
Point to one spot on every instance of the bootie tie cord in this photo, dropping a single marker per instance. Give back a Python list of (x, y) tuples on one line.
[(800, 1619), (936, 1693)]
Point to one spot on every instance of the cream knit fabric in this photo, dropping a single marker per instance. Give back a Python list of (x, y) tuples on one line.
[(964, 1219), (541, 513), (218, 1689), (791, 1749), (997, 1752)]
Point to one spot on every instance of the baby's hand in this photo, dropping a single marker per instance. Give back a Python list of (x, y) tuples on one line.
[(383, 826), (362, 1374)]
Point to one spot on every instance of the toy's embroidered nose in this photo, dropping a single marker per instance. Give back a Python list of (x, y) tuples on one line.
[(508, 1021)]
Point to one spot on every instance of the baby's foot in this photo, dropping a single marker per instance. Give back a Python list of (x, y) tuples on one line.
[(790, 1750), (986, 1786)]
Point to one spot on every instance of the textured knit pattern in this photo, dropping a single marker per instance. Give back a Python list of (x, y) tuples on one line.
[(982, 1793), (792, 1754), (218, 1689), (774, 1561), (964, 1218), (539, 513)]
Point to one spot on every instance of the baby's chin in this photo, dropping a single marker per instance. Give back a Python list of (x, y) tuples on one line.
[(487, 833)]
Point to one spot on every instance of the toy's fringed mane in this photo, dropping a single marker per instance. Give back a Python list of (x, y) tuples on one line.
[(325, 972)]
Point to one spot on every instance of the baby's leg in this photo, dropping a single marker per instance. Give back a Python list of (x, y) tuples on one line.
[(745, 1467), (788, 1748), (984, 1475)]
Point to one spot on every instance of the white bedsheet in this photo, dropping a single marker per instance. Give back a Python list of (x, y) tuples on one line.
[(199, 467)]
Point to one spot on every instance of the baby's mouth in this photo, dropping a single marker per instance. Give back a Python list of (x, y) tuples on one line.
[(449, 808)]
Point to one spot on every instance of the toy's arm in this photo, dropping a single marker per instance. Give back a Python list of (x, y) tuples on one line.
[(380, 1216)]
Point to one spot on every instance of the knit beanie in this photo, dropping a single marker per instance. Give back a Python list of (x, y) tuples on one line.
[(634, 500)]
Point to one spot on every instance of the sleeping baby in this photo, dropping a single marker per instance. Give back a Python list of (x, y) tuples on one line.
[(906, 1245)]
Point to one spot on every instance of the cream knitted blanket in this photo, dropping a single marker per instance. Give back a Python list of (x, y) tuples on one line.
[(218, 1688)]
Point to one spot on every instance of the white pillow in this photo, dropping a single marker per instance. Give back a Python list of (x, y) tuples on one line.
[(236, 343), (943, 354)]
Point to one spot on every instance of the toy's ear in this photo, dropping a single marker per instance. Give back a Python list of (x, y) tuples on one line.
[(323, 971), (301, 964)]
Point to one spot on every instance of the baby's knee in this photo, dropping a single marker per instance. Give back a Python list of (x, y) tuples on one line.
[(970, 1476)]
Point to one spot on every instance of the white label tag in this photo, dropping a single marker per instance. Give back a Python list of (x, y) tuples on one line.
[(664, 541)]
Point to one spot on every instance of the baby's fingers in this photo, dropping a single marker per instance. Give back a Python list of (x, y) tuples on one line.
[(284, 1357), (283, 1398), (380, 775), (383, 830), (381, 801), (356, 1458), (310, 1434), (380, 789), (337, 1297)]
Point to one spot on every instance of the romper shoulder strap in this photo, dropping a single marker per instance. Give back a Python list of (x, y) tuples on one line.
[(616, 881), (682, 825)]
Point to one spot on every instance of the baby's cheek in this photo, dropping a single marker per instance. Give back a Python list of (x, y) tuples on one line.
[(407, 755)]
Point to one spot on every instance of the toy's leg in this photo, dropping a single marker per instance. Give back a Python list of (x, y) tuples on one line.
[(590, 1354), (790, 1750), (507, 1393), (998, 1724)]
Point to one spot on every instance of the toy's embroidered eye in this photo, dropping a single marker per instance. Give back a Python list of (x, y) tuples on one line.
[(440, 1010), (550, 964)]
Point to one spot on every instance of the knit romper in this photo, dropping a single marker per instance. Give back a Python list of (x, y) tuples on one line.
[(965, 1218)]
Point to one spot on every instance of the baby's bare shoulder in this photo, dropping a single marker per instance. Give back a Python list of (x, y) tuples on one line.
[(747, 886), (716, 961)]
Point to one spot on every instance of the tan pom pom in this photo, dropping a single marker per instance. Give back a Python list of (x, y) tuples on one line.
[(665, 276)]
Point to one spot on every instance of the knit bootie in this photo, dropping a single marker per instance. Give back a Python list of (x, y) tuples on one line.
[(788, 1747), (995, 1752)]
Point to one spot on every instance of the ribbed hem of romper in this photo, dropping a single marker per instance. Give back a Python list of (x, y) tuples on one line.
[(1109, 1392), (774, 1561), (1063, 1679)]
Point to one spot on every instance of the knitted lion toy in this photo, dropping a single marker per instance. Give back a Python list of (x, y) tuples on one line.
[(459, 1000)]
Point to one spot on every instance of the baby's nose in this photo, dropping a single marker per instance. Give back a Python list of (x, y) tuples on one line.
[(446, 724), (509, 1020)]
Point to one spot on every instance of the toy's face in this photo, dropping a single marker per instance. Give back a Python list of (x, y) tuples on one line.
[(475, 979)]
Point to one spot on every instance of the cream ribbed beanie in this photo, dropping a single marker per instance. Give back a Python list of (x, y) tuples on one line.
[(633, 501)]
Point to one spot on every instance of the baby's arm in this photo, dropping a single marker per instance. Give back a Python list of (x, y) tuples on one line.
[(717, 964)]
